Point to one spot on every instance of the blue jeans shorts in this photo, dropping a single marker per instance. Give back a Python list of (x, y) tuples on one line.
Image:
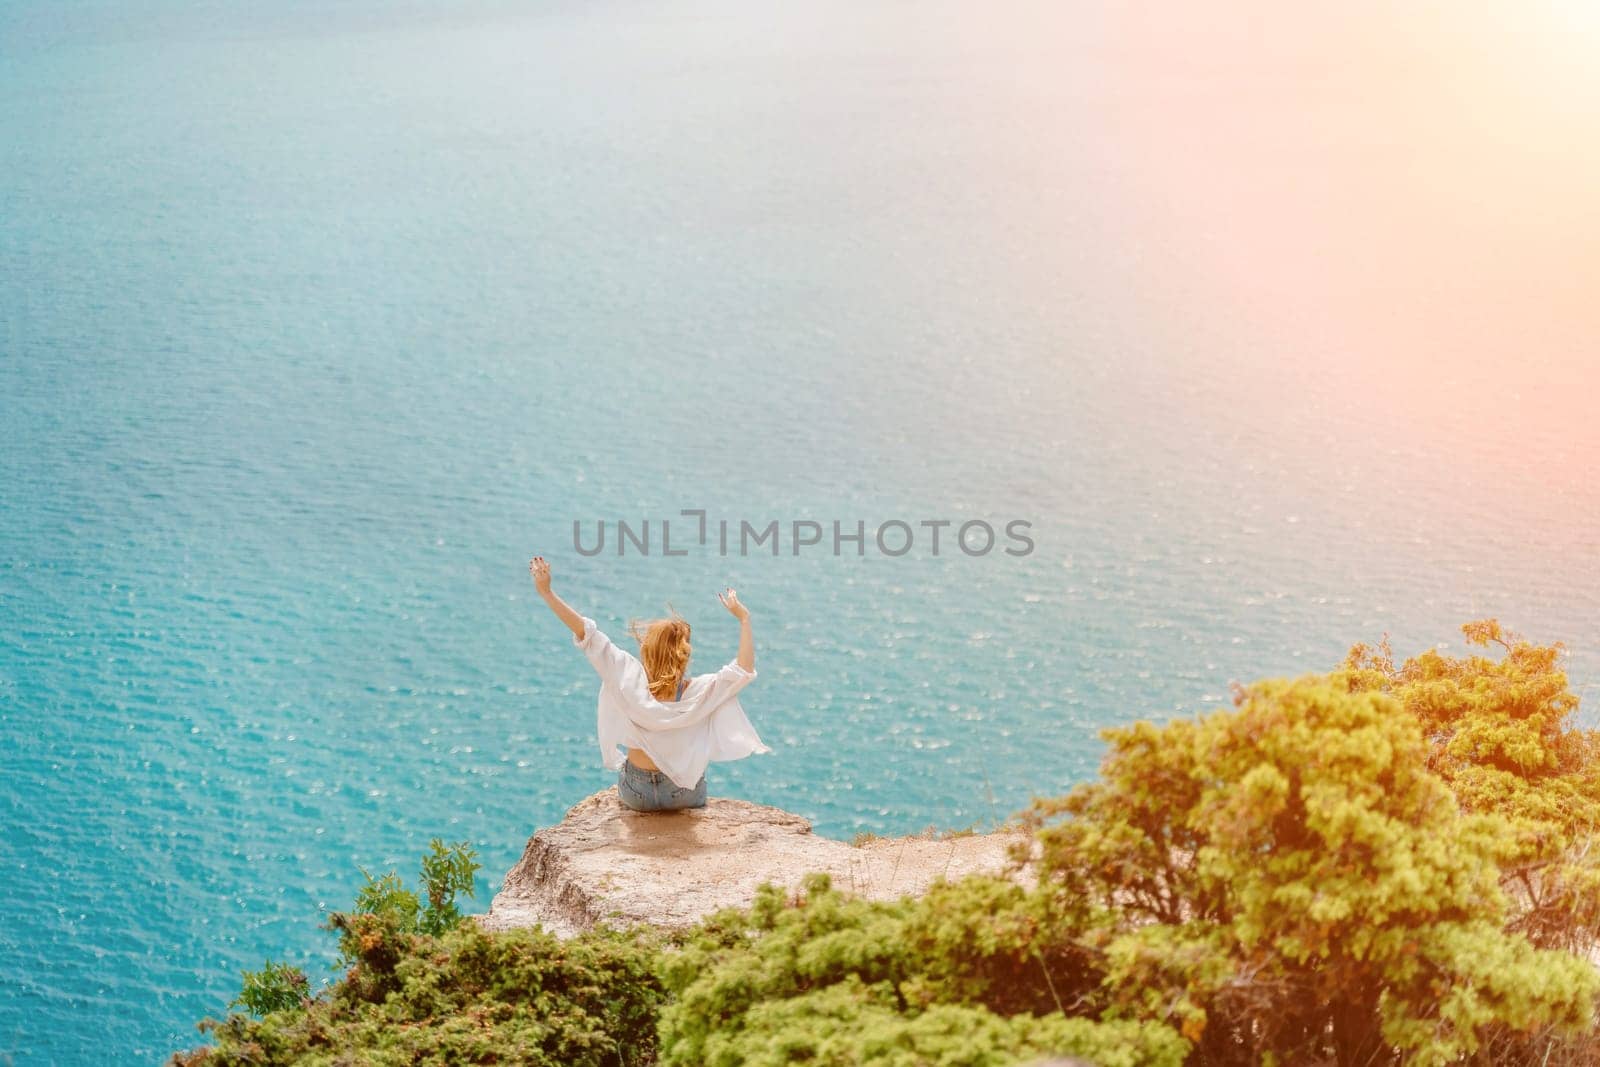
[(643, 790)]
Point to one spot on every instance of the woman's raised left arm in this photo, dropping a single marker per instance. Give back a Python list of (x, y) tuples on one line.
[(747, 643)]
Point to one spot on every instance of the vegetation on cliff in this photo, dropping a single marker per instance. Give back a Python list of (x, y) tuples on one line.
[(1376, 865)]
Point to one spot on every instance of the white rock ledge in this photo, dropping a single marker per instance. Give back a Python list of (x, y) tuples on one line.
[(670, 869)]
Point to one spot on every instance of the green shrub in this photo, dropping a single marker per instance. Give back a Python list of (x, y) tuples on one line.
[(1501, 735), (849, 1023), (974, 972), (1292, 883), (468, 997), (276, 987), (387, 895), (446, 871)]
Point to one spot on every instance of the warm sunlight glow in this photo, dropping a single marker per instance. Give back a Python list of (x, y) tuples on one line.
[(1406, 193)]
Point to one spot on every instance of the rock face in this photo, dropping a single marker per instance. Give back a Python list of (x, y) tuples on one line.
[(606, 863)]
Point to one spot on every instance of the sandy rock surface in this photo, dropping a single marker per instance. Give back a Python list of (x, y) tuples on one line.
[(604, 862)]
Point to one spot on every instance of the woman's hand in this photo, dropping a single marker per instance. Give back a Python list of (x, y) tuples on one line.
[(540, 570), (730, 600)]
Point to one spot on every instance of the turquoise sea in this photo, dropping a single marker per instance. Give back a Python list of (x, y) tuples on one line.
[(318, 320)]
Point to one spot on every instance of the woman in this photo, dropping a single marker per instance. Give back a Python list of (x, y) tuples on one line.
[(671, 724)]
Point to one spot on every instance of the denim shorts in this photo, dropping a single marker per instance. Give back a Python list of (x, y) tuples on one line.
[(644, 790)]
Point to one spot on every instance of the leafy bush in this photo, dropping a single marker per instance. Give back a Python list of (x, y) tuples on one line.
[(849, 1023), (376, 934), (276, 987), (384, 909), (466, 997), (1500, 734), (1292, 883), (446, 871), (387, 895), (951, 978)]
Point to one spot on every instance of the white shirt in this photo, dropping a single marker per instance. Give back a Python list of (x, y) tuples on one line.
[(681, 736)]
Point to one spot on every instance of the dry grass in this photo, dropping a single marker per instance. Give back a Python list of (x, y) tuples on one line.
[(934, 833)]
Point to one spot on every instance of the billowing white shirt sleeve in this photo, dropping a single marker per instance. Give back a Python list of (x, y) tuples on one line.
[(728, 681), (731, 736), (609, 661)]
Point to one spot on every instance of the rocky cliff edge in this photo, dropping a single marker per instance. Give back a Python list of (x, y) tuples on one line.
[(670, 869)]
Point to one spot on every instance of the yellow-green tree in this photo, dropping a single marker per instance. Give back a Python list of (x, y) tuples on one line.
[(1500, 732), (1289, 882)]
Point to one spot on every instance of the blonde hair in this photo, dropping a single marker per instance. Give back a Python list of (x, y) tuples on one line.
[(664, 651)]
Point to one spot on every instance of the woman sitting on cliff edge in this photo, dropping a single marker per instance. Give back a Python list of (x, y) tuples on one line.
[(672, 725)]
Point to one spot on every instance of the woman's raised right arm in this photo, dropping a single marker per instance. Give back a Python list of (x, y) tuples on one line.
[(540, 569)]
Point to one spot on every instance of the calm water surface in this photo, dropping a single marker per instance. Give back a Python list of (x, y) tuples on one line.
[(316, 321)]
